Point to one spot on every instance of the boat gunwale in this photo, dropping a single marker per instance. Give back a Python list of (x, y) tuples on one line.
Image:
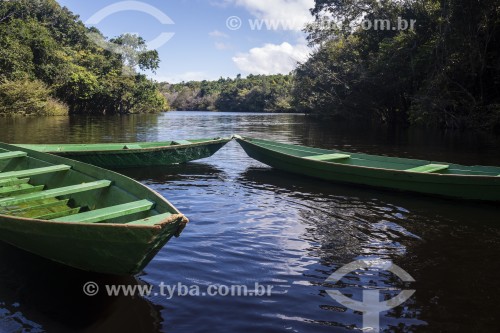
[(402, 172), (123, 151), (146, 239), (159, 225), (80, 167)]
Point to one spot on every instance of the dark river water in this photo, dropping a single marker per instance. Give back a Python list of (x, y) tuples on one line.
[(252, 224)]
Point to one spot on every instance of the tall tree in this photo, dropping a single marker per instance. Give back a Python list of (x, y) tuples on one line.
[(42, 41), (445, 71)]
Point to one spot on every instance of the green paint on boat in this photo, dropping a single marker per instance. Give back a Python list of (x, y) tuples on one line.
[(108, 213), (433, 178), (35, 209), (140, 154), (429, 168), (7, 191), (13, 181), (328, 157), (81, 215), (12, 154)]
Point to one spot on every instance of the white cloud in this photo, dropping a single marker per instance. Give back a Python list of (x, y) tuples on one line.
[(218, 34), (222, 46), (272, 58), (295, 12)]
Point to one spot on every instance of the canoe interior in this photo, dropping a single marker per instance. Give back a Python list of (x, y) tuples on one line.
[(115, 146), (374, 161), (56, 189), (81, 215), (133, 155)]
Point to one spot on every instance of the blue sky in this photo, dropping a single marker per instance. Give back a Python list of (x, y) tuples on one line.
[(206, 44)]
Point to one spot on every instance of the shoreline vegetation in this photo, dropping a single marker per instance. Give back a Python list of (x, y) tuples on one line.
[(255, 93), (51, 64), (444, 73)]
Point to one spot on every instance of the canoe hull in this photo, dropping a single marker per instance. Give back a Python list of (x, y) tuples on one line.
[(458, 187), (116, 247), (107, 249), (131, 158)]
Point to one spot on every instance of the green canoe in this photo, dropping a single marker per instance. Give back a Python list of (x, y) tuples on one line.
[(435, 178), (128, 155), (81, 215)]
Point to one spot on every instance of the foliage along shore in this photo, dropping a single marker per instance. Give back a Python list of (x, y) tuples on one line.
[(255, 93), (443, 73), (51, 64)]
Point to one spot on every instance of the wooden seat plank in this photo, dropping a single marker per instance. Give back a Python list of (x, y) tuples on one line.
[(36, 207), (34, 172), (152, 220), (181, 142), (328, 157), (108, 213), (12, 154), (57, 192), (429, 168), (43, 213), (132, 147), (9, 191), (58, 214), (13, 181)]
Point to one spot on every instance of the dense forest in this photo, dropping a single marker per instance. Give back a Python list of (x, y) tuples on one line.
[(51, 64), (256, 93), (445, 72)]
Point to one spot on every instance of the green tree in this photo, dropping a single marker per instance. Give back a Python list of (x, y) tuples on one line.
[(15, 101), (44, 42), (443, 73)]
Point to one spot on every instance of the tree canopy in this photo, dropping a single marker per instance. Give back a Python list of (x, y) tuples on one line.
[(256, 93), (46, 45), (444, 72)]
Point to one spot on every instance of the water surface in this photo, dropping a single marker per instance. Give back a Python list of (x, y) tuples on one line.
[(250, 223)]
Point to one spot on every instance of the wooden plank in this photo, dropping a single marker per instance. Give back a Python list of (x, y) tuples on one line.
[(55, 193), (328, 157), (151, 220), (9, 191), (12, 154), (108, 213), (47, 212), (181, 142), (30, 204), (32, 210), (132, 147), (55, 215), (34, 172), (13, 181), (429, 168)]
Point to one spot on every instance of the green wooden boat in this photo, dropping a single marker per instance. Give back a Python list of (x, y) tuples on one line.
[(81, 215), (129, 155), (480, 183)]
